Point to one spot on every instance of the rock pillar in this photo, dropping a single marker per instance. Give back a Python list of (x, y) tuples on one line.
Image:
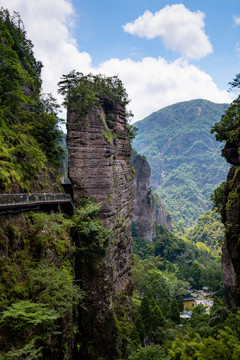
[(100, 168)]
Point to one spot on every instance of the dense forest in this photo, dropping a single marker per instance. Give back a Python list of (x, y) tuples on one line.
[(42, 254)]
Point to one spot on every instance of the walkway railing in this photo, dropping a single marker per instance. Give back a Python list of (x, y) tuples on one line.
[(37, 198)]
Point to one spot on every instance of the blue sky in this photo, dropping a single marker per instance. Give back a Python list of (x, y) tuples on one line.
[(100, 32), (163, 51)]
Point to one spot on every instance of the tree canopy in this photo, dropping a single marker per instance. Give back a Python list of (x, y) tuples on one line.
[(83, 92)]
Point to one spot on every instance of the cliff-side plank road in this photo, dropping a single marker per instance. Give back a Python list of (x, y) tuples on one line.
[(23, 202)]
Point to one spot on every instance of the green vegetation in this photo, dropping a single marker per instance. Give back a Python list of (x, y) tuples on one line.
[(227, 132), (82, 92), (42, 255), (153, 352), (25, 316), (40, 299), (218, 198), (94, 237), (21, 159), (85, 93), (185, 159), (196, 261), (208, 230), (108, 133), (206, 336), (55, 287), (192, 263), (225, 129), (163, 270), (29, 133), (37, 284)]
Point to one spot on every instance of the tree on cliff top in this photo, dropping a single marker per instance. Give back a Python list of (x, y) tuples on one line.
[(83, 92), (225, 129)]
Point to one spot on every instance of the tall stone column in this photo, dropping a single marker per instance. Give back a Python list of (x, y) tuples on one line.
[(100, 168)]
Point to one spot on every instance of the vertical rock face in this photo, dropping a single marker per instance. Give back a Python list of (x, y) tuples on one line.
[(100, 168), (231, 219), (148, 208)]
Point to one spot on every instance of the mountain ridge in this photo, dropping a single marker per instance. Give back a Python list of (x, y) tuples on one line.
[(184, 157)]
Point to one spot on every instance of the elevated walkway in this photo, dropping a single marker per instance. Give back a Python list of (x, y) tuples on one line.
[(51, 202)]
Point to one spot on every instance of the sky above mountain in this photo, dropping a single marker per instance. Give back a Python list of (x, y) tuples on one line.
[(163, 51)]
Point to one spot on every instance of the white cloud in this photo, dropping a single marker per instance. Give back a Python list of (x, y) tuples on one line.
[(151, 83), (154, 83), (48, 24), (180, 29), (236, 20)]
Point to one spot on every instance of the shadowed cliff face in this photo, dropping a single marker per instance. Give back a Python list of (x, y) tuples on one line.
[(148, 208), (231, 219), (100, 168)]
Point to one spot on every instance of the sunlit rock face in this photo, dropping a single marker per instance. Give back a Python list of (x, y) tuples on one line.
[(148, 208), (231, 219), (100, 168)]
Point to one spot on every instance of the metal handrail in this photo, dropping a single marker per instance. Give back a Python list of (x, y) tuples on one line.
[(13, 199)]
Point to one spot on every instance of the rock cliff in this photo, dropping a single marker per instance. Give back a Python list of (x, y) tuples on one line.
[(231, 219), (100, 169), (148, 208)]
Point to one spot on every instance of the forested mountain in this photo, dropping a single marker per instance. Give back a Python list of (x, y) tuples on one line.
[(185, 158)]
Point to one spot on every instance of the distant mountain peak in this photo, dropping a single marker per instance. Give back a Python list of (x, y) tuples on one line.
[(184, 157)]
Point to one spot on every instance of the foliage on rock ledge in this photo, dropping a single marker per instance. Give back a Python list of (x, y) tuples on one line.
[(83, 93), (93, 237), (87, 91), (225, 129)]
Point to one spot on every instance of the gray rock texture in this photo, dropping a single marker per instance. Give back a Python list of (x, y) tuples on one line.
[(148, 208), (100, 168)]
